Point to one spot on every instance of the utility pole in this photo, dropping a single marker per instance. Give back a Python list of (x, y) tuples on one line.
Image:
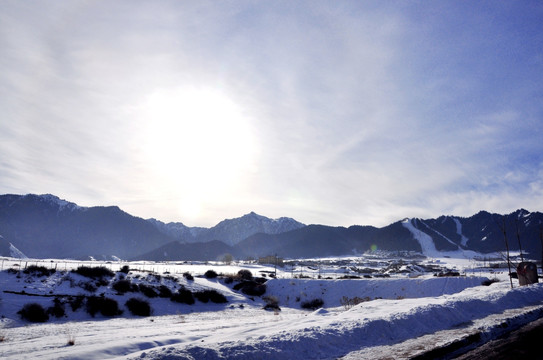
[(507, 249), (275, 266), (519, 245), (541, 240)]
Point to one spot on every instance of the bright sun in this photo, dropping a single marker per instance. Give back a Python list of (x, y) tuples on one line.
[(199, 143)]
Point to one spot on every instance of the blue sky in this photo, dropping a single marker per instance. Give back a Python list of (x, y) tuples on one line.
[(338, 113)]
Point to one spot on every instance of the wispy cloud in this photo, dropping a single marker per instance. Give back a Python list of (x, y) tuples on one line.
[(357, 112)]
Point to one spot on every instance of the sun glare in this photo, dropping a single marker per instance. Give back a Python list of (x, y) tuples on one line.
[(199, 143)]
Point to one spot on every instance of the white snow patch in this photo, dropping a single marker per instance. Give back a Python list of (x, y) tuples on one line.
[(426, 243), (16, 253), (464, 240)]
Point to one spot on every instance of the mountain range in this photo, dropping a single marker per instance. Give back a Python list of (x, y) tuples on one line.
[(44, 226)]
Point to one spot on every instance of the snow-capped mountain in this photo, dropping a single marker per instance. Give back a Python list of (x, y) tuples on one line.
[(177, 230), (44, 226), (232, 231), (483, 232), (229, 231)]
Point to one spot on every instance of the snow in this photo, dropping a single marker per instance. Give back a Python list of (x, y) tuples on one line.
[(397, 316), (464, 240), (61, 203), (16, 253), (425, 241)]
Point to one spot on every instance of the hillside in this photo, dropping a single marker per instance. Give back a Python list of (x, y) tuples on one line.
[(44, 226)]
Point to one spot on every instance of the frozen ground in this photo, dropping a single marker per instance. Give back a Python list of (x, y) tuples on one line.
[(397, 317)]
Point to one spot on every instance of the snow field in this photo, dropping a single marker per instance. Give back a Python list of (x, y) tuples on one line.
[(400, 312)]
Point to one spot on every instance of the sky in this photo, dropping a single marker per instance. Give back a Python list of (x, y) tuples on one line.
[(329, 112)]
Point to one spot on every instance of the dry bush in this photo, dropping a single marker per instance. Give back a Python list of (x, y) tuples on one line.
[(350, 302), (312, 304)]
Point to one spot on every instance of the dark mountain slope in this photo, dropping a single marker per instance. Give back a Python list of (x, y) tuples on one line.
[(176, 251), (45, 226)]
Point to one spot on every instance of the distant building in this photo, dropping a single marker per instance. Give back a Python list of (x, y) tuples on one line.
[(271, 260)]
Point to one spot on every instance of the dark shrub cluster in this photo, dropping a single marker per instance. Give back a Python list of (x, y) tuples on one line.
[(39, 270), (76, 302), (124, 286), (33, 312), (188, 276), (447, 273), (183, 296), (96, 273), (125, 269), (251, 288), (88, 286), (213, 295), (57, 310), (210, 274), (148, 291), (164, 291), (312, 304), (138, 307), (103, 305)]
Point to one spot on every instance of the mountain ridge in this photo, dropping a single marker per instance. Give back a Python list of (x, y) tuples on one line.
[(43, 226)]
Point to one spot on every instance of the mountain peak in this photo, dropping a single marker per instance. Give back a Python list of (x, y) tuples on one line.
[(54, 200)]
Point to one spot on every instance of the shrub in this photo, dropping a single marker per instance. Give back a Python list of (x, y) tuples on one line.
[(272, 303), (183, 296), (148, 291), (125, 269), (106, 306), (39, 270), (312, 304), (251, 288), (33, 312), (76, 302), (122, 286), (350, 302), (489, 282), (154, 277), (229, 279), (164, 291), (213, 295), (138, 307), (94, 272), (188, 276), (245, 274), (88, 286), (57, 310), (210, 274)]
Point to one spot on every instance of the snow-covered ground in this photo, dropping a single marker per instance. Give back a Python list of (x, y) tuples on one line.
[(370, 317)]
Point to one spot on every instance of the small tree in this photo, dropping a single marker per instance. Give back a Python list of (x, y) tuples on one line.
[(227, 259)]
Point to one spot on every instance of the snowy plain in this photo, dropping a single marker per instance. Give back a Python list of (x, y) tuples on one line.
[(403, 310)]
